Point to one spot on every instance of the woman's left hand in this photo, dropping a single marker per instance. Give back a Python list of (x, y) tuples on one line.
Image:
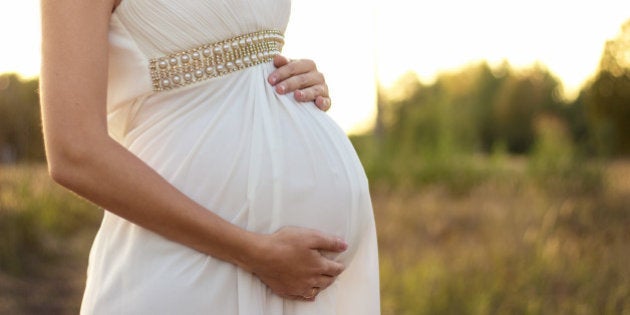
[(302, 78)]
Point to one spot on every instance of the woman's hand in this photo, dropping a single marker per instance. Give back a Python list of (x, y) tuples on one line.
[(289, 262), (302, 78)]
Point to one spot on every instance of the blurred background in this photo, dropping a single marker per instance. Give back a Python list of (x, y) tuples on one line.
[(495, 134)]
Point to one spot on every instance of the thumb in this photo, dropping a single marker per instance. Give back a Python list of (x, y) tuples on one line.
[(330, 243)]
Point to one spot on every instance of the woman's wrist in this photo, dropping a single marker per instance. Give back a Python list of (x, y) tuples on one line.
[(249, 250)]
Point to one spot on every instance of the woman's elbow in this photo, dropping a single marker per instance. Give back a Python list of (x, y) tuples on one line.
[(59, 173), (66, 162)]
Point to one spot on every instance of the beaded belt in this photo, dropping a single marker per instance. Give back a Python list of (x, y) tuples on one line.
[(214, 60)]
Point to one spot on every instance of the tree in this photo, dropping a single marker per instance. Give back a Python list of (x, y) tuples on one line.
[(20, 131), (608, 97), (522, 98)]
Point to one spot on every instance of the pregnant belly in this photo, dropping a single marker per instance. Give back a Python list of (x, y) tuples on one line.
[(304, 172), (324, 186), (261, 163)]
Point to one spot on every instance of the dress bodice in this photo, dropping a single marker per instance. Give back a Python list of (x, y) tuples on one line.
[(144, 29), (160, 27)]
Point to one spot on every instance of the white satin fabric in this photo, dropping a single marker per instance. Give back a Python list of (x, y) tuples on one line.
[(256, 158)]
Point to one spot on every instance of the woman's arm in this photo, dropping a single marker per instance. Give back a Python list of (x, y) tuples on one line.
[(83, 158)]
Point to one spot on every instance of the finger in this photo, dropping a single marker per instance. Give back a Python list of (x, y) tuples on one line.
[(292, 69), (332, 269), (280, 60), (323, 103), (301, 81), (310, 94), (328, 243), (325, 281)]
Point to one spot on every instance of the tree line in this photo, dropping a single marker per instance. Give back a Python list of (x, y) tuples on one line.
[(477, 109), (482, 108)]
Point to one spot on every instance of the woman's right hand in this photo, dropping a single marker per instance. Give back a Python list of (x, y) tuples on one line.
[(290, 262)]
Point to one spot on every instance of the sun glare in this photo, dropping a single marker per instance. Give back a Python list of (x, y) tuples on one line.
[(20, 36)]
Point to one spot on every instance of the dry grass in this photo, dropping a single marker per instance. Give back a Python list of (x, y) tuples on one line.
[(45, 233), (509, 245)]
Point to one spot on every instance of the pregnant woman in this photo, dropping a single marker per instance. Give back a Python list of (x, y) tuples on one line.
[(223, 193)]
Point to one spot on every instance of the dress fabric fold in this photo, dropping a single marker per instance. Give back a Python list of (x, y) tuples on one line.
[(256, 158)]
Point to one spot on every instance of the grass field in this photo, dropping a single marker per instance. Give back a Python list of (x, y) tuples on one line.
[(512, 243), (508, 246)]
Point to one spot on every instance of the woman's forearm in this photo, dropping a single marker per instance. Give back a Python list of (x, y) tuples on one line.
[(81, 155), (112, 177)]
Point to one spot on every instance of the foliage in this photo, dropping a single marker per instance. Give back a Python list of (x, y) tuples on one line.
[(471, 110), (441, 132), (436, 132), (608, 97), (36, 217), (20, 131), (555, 163)]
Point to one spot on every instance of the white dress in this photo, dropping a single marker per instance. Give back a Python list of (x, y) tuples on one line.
[(231, 143)]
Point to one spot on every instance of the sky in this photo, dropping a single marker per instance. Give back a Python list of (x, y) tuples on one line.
[(357, 42)]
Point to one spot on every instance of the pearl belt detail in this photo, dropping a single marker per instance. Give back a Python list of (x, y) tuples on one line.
[(214, 60)]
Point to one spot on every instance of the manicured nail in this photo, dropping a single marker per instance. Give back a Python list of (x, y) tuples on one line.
[(299, 94), (273, 79)]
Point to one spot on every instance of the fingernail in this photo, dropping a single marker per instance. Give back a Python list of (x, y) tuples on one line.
[(343, 244), (273, 79), (299, 94), (281, 88), (322, 105)]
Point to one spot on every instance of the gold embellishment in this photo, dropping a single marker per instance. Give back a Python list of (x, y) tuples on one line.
[(214, 60)]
